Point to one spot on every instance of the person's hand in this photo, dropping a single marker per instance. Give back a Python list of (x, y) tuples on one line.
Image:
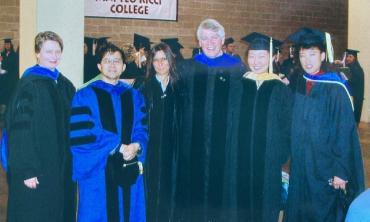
[(338, 62), (339, 183), (31, 183), (129, 151)]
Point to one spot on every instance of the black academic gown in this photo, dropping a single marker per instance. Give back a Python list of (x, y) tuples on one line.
[(37, 122), (264, 145), (206, 175), (324, 144), (357, 84), (90, 67), (8, 81), (161, 162)]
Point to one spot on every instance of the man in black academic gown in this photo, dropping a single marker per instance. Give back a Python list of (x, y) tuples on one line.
[(206, 175), (326, 164), (356, 82)]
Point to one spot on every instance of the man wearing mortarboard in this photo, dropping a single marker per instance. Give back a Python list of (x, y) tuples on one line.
[(263, 135), (8, 72), (356, 82), (206, 181), (326, 170)]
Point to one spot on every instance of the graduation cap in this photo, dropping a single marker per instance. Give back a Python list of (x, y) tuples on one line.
[(309, 37), (141, 42), (306, 35), (102, 40), (173, 43), (7, 40), (258, 41), (352, 52), (89, 41)]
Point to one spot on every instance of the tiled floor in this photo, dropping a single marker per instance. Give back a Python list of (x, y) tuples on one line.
[(365, 141)]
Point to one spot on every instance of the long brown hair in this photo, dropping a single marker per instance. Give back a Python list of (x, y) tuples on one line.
[(150, 71)]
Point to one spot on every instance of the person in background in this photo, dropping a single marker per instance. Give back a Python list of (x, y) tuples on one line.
[(90, 66), (9, 75), (326, 161), (206, 175), (356, 82), (162, 91), (264, 134), (39, 170), (229, 47), (108, 144)]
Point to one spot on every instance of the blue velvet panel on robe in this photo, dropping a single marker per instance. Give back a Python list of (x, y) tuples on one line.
[(92, 143)]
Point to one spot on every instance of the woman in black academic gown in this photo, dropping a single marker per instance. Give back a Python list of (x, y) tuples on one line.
[(264, 129), (161, 90)]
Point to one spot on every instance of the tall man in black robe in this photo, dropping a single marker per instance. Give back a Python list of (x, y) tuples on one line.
[(206, 178), (356, 82)]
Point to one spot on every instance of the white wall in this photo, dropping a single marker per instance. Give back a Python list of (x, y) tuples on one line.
[(359, 38), (66, 18)]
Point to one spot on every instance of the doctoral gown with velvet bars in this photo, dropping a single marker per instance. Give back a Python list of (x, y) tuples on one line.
[(324, 144), (264, 145), (161, 163), (37, 122), (206, 174), (100, 114)]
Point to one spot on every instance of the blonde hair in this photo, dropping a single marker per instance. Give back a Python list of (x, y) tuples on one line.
[(44, 36)]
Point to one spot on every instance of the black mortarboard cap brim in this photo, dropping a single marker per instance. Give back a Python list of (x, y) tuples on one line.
[(102, 40), (258, 41), (352, 52), (173, 43), (307, 35), (141, 42), (7, 40), (89, 40)]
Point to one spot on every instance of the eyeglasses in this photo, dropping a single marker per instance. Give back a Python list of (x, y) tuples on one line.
[(164, 59), (112, 61)]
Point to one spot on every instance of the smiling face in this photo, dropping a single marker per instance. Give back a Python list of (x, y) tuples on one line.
[(111, 67), (160, 63), (49, 55), (311, 59), (258, 61), (211, 43)]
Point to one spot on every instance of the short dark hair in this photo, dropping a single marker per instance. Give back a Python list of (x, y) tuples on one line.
[(110, 48), (229, 41)]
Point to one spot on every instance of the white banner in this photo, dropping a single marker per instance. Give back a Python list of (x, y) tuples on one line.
[(140, 9)]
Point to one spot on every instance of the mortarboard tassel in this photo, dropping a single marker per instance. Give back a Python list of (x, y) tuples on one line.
[(270, 64), (329, 48)]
